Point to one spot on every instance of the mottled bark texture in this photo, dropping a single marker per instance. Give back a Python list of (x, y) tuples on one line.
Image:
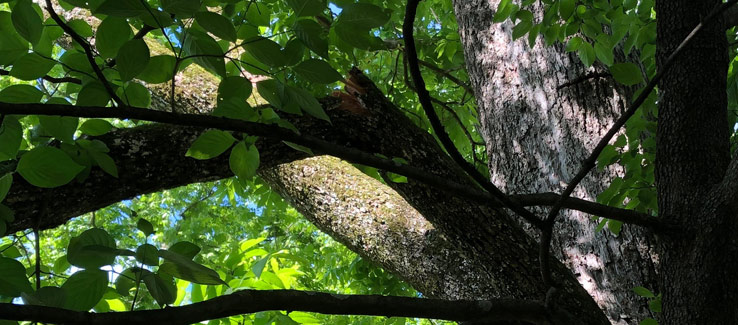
[(699, 266), (375, 221), (536, 137)]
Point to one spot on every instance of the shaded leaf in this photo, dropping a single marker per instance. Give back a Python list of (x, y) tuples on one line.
[(132, 59), (47, 167), (244, 160), (318, 71), (86, 289), (14, 280), (91, 249), (183, 268)]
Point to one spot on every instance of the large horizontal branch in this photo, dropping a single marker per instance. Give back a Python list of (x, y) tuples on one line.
[(252, 301), (324, 147)]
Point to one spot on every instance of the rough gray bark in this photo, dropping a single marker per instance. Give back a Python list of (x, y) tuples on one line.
[(376, 222), (691, 162), (536, 137)]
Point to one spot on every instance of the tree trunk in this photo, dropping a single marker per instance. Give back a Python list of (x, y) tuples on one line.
[(698, 279), (537, 135)]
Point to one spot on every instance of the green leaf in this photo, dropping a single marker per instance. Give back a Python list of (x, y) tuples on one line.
[(6, 214), (31, 66), (614, 226), (311, 34), (266, 51), (643, 292), (244, 160), (183, 268), (46, 296), (60, 127), (273, 91), (293, 52), (521, 29), (308, 103), (147, 254), (357, 37), (307, 7), (234, 87), (121, 8), (47, 167), (364, 16), (504, 9), (135, 95), (217, 25), (156, 18), (14, 280), (181, 8), (20, 94), (163, 291), (105, 162), (12, 45), (655, 305), (649, 321), (258, 14), (317, 71), (210, 144), (95, 127), (159, 70), (626, 73), (5, 182), (145, 226), (586, 54), (125, 281), (27, 21), (111, 35), (566, 8), (11, 135), (93, 94), (235, 108), (604, 53), (258, 267), (185, 249), (86, 288), (132, 59), (91, 249), (81, 27), (304, 318), (248, 243), (574, 44), (208, 53)]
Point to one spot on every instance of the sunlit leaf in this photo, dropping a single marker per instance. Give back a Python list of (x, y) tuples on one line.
[(210, 144)]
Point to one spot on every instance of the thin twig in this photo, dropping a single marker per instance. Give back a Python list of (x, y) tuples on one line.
[(88, 51), (447, 74), (593, 75), (48, 78)]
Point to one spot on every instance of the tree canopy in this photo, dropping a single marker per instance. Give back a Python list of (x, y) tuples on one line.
[(143, 143)]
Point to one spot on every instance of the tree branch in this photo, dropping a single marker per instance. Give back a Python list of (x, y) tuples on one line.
[(252, 301), (325, 147), (48, 78)]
